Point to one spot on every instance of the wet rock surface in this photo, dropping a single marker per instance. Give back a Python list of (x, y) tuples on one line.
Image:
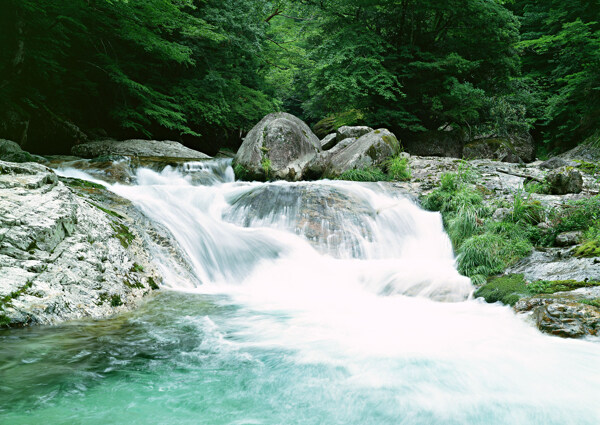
[(63, 254)]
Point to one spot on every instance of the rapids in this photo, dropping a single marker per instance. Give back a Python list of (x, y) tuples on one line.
[(314, 303)]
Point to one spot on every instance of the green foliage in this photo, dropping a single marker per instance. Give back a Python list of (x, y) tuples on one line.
[(397, 168), (506, 289), (123, 234), (578, 215), (153, 285), (332, 122), (136, 268), (591, 242), (525, 210)]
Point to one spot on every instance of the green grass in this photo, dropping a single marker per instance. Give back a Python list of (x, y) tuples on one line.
[(369, 174), (4, 320), (153, 285), (397, 168), (137, 268), (266, 166), (123, 234)]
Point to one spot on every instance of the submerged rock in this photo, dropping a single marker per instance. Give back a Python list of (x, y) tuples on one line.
[(63, 257), (136, 148), (280, 146)]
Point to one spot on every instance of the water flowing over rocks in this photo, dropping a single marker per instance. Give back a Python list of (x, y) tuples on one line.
[(136, 148), (280, 146), (64, 256)]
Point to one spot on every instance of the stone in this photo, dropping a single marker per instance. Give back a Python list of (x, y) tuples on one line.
[(12, 152), (504, 149), (329, 141), (557, 162), (136, 148), (562, 314), (435, 143), (372, 149), (280, 146), (346, 132), (562, 183), (501, 213), (61, 256), (568, 238)]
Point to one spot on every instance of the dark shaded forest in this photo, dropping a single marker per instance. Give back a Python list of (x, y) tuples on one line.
[(205, 71)]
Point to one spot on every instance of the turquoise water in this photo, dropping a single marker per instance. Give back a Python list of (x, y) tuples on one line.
[(196, 359), (320, 303)]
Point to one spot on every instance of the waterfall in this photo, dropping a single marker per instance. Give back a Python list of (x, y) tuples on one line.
[(314, 303)]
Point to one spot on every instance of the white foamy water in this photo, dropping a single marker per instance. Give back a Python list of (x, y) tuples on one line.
[(357, 279)]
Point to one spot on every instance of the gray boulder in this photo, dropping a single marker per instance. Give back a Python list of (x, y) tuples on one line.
[(557, 162), (280, 146), (436, 143), (568, 238), (368, 150), (12, 152), (136, 148), (515, 149), (562, 183), (62, 257), (346, 132)]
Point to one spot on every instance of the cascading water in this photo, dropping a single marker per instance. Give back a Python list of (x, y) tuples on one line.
[(319, 303)]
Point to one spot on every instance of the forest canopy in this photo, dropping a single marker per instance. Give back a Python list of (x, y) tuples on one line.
[(205, 71)]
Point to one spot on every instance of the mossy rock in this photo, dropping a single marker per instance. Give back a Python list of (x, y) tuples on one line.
[(507, 289), (331, 123), (589, 249)]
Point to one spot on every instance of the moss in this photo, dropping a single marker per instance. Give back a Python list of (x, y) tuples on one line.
[(73, 182), (115, 301), (152, 284), (137, 268), (506, 289), (552, 286), (589, 249), (15, 294), (242, 173), (594, 303), (332, 122), (134, 285), (123, 234), (106, 211)]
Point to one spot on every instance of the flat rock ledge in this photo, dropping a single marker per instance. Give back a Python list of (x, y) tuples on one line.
[(63, 257), (136, 148)]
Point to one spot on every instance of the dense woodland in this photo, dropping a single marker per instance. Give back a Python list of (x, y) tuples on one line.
[(205, 71)]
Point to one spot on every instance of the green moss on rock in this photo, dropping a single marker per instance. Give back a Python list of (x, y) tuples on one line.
[(589, 249), (506, 289)]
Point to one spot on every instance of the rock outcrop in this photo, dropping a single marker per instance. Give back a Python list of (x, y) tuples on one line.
[(64, 257), (372, 149), (280, 146), (12, 152), (562, 183), (136, 148)]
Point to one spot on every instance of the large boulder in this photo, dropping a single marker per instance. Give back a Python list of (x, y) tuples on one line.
[(136, 148), (372, 149), (435, 143), (63, 257), (329, 141), (280, 146), (514, 149), (12, 152), (562, 183)]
